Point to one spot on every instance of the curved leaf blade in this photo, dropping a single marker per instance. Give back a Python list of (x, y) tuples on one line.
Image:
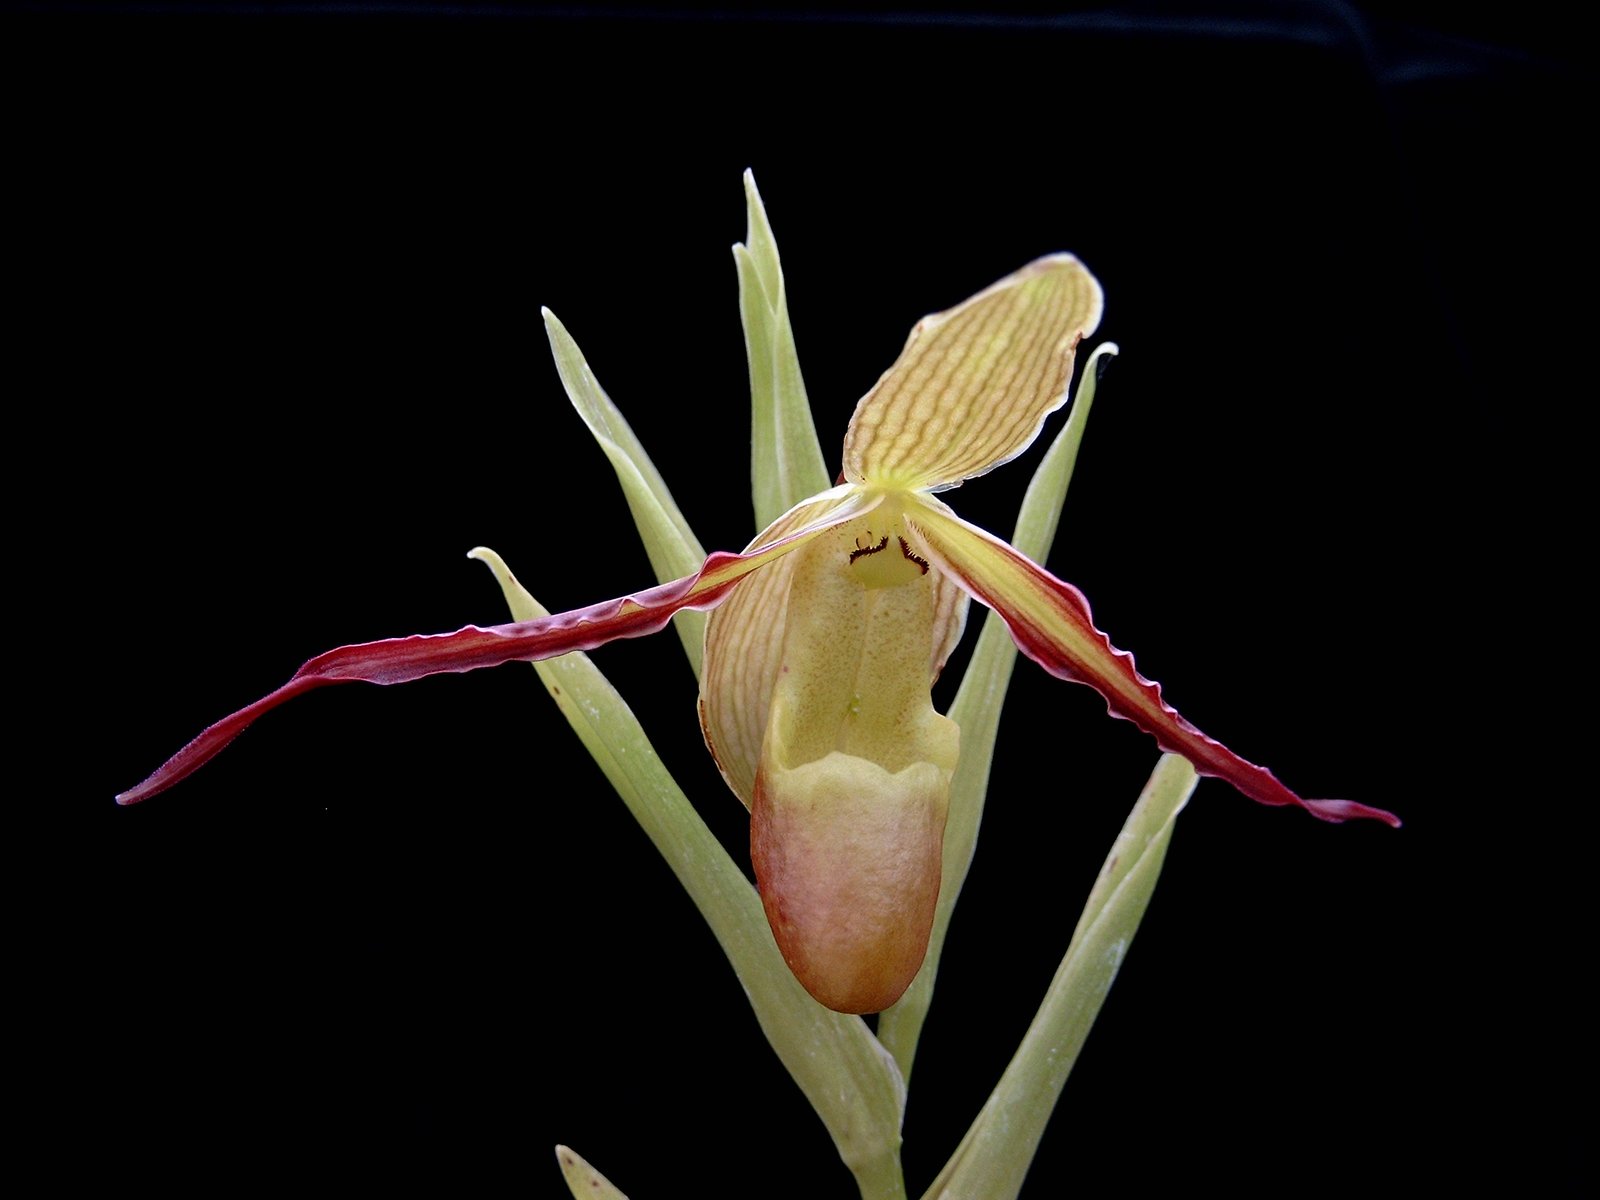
[(995, 1154), (850, 1080), (669, 543), (786, 463)]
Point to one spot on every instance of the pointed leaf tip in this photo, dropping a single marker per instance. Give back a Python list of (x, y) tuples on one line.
[(786, 462), (583, 1180), (994, 1156), (668, 540)]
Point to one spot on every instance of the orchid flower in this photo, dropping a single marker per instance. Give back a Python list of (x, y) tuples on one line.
[(829, 630)]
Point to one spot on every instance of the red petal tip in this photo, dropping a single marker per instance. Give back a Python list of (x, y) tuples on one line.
[(1340, 811)]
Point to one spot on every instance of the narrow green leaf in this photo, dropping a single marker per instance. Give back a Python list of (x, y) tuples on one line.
[(584, 1181), (673, 549), (977, 711), (848, 1077), (994, 1157), (786, 464)]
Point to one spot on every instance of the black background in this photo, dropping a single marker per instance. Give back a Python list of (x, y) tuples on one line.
[(279, 275)]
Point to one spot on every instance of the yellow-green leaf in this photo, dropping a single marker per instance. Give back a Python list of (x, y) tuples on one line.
[(850, 1080), (786, 463), (995, 1154), (584, 1181), (670, 544)]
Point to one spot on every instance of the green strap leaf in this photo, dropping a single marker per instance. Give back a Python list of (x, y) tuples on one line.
[(786, 464), (673, 549), (584, 1181), (994, 1157), (977, 711), (846, 1075)]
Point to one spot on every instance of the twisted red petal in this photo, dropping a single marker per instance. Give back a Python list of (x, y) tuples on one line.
[(1050, 621), (400, 660)]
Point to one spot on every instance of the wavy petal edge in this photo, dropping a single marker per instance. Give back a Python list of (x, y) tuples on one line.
[(402, 660), (1051, 623)]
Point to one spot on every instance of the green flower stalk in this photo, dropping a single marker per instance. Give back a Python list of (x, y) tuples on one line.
[(816, 663)]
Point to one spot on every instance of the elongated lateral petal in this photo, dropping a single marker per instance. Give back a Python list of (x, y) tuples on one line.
[(400, 660), (1050, 622), (974, 383)]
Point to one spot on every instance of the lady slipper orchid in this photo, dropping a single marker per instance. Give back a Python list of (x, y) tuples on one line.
[(829, 630)]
